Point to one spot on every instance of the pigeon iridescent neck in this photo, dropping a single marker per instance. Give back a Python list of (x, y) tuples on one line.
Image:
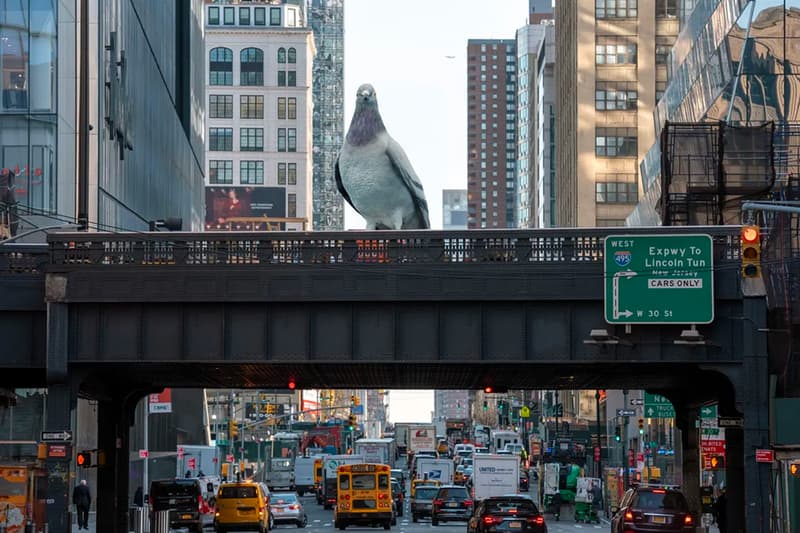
[(366, 124)]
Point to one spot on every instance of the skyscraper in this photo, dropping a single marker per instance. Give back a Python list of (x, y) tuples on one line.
[(259, 117), (491, 133), (611, 69), (326, 18), (454, 209)]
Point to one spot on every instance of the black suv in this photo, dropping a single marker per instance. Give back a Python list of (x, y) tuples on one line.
[(183, 498), (652, 508), (507, 513), (452, 502)]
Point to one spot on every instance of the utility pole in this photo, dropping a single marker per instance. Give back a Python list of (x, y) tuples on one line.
[(625, 465), (599, 436), (231, 416)]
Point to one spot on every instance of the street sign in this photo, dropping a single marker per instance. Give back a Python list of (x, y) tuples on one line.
[(659, 279), (524, 412), (708, 416), (64, 435), (229, 458), (637, 401), (730, 421), (57, 450), (626, 412), (765, 456), (657, 406), (357, 410), (143, 454)]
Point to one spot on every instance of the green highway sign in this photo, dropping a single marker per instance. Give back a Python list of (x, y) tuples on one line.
[(659, 279), (657, 406)]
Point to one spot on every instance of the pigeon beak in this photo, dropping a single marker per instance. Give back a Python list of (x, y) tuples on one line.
[(364, 94)]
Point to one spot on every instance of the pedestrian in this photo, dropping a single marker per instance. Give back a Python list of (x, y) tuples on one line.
[(556, 502), (138, 497), (82, 499), (721, 512)]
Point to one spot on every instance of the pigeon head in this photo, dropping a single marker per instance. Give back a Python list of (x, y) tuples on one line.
[(367, 121)]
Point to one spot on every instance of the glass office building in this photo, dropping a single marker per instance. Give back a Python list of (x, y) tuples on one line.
[(736, 61)]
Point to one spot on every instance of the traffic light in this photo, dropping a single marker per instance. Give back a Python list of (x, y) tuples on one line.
[(794, 468), (358, 400), (233, 429), (641, 426), (84, 459), (352, 422), (500, 406), (292, 384), (717, 461), (485, 405), (617, 434), (751, 252), (353, 399)]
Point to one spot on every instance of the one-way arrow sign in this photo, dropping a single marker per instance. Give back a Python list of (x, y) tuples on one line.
[(56, 436), (626, 412)]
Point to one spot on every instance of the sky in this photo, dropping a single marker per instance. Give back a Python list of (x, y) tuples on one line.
[(414, 53)]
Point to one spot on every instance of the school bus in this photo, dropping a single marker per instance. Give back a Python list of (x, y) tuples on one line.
[(364, 497)]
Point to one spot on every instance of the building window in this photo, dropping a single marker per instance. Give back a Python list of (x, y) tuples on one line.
[(616, 192), (292, 177), (615, 142), (281, 139), (662, 54), (281, 55), (274, 16), (260, 16), (220, 67), (667, 8), (251, 139), (606, 9), (281, 107), (281, 173), (252, 67), (287, 78), (615, 50), (614, 95), (291, 109), (251, 106), (661, 87), (229, 14), (220, 139), (251, 172), (213, 16), (220, 106), (292, 56), (220, 172), (244, 16), (291, 205), (292, 144)]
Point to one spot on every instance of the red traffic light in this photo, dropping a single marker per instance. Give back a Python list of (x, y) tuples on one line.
[(794, 468), (488, 390), (84, 459), (292, 384), (750, 234)]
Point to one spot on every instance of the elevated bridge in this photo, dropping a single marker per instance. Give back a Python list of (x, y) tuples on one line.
[(115, 316)]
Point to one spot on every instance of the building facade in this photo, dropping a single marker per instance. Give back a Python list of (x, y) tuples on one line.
[(611, 71), (258, 93), (451, 404), (326, 18), (491, 133), (536, 120), (454, 209), (80, 98)]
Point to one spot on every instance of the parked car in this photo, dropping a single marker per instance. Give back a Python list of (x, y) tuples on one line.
[(397, 496), (286, 508), (517, 513), (243, 505), (183, 497), (422, 502), (652, 509), (452, 502)]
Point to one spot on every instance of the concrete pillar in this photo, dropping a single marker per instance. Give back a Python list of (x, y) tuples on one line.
[(690, 475), (113, 428)]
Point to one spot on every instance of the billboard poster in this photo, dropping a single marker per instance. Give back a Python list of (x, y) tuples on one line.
[(244, 208)]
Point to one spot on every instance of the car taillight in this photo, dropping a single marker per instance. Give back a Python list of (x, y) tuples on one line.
[(294, 507), (688, 521), (200, 503), (491, 520), (536, 520), (381, 496), (628, 515), (468, 503), (438, 502)]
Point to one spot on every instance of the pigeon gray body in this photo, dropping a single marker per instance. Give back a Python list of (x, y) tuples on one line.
[(374, 174)]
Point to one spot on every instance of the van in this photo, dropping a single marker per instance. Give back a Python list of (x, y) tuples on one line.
[(243, 505), (183, 498)]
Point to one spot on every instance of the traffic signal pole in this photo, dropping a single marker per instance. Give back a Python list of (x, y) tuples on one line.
[(625, 462)]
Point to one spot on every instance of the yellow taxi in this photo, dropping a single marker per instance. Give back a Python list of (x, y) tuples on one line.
[(422, 482), (242, 505)]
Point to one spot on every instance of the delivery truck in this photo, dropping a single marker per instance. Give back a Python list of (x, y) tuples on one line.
[(304, 474), (494, 475), (329, 466), (440, 470), (378, 451), (421, 437)]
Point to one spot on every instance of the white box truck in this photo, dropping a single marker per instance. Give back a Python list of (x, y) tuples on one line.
[(494, 475), (378, 451), (329, 466), (304, 474), (421, 437), (437, 469)]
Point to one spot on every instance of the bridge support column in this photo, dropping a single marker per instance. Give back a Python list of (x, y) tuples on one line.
[(113, 431), (690, 474)]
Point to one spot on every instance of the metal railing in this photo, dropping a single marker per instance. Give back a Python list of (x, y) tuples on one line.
[(70, 251)]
